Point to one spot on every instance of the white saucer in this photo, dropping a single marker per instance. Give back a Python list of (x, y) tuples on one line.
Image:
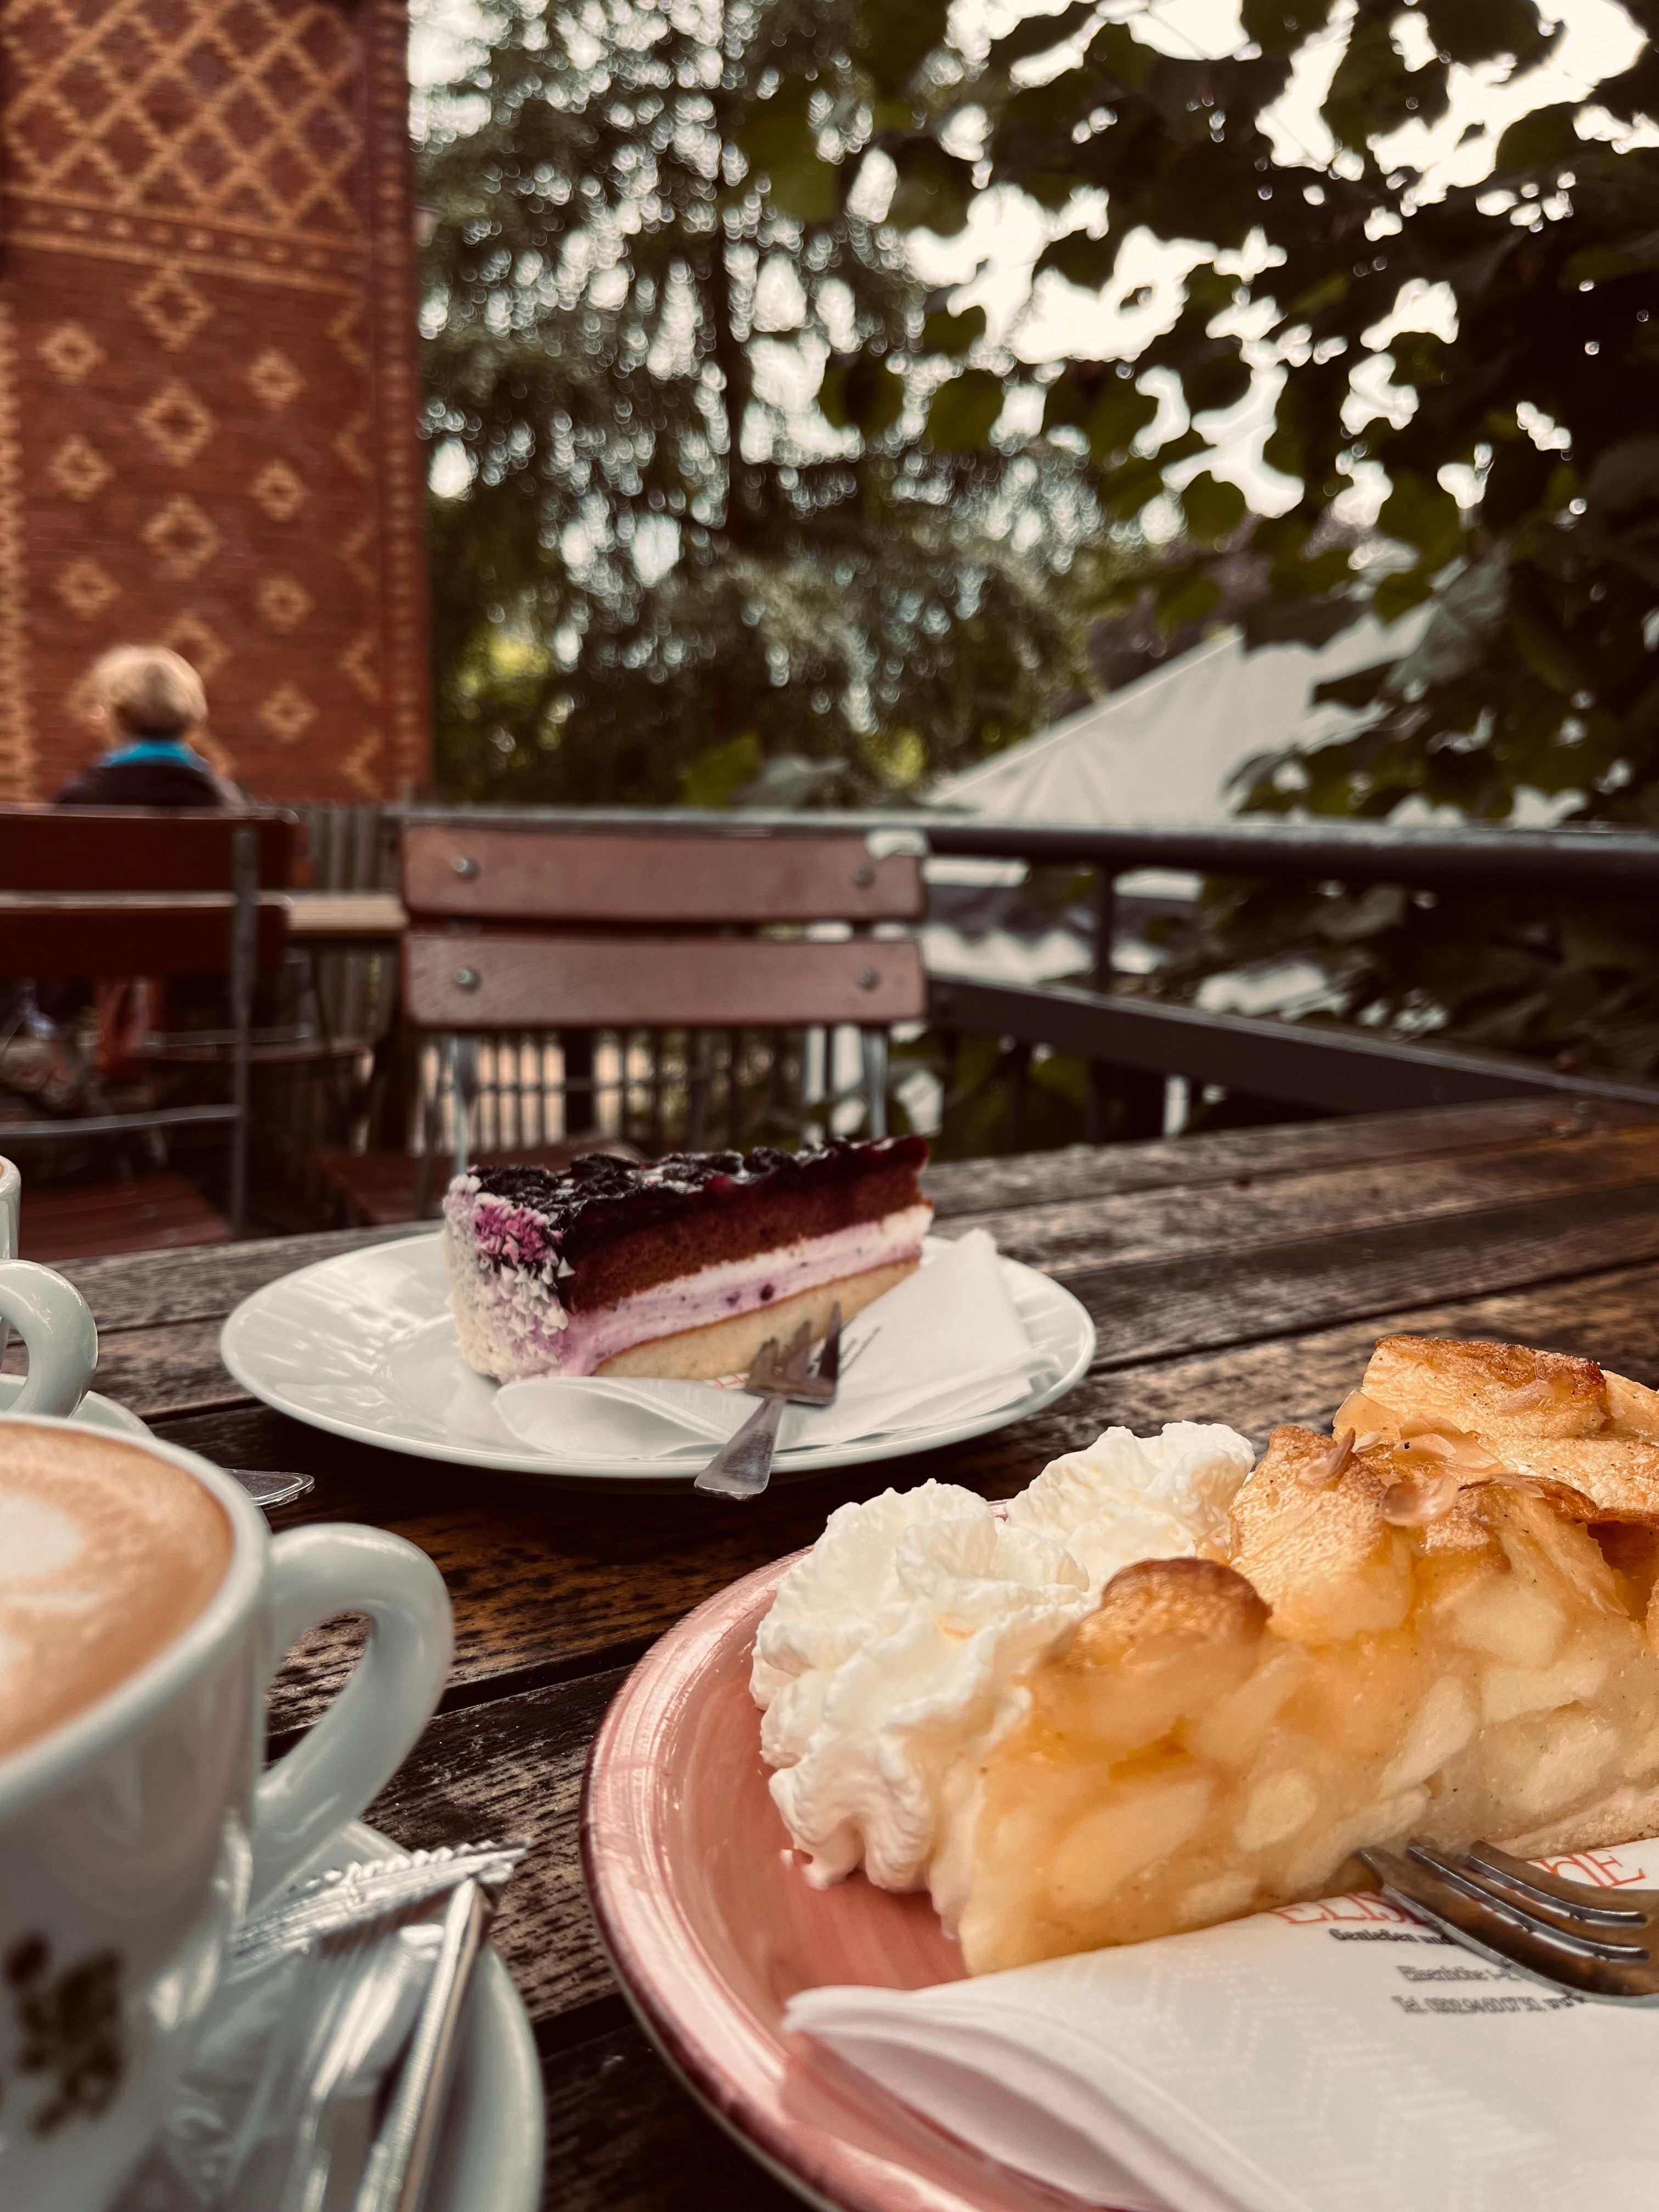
[(96, 1411), (490, 2147), (363, 1345)]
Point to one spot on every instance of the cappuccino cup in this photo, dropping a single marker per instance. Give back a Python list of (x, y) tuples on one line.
[(144, 1608), (50, 1315)]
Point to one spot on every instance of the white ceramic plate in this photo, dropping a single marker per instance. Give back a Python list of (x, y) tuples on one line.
[(489, 2148), (96, 1411), (363, 1345)]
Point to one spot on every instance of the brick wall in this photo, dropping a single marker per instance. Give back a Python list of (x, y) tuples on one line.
[(207, 381)]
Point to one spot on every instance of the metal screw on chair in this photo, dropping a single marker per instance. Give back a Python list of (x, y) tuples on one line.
[(464, 866), (864, 878), (467, 979), (868, 979)]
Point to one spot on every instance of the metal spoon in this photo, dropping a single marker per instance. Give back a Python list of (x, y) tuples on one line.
[(270, 1490)]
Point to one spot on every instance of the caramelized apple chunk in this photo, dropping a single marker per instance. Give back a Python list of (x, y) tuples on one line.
[(1484, 1389), (1506, 1409), (1220, 1738)]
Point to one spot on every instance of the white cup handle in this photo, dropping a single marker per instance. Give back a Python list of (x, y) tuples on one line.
[(56, 1322), (350, 1755)]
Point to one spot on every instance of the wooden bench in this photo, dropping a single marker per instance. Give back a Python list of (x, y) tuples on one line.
[(96, 893)]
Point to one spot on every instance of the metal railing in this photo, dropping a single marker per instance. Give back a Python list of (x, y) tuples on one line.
[(1132, 1042)]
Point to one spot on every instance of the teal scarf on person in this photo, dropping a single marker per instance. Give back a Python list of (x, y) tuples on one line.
[(172, 750)]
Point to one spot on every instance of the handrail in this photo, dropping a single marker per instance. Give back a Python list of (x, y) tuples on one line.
[(1127, 1040), (1611, 863)]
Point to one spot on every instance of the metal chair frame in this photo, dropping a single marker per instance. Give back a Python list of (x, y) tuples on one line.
[(243, 971)]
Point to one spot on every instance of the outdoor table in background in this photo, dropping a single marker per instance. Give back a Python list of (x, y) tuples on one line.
[(345, 922), (1241, 1277)]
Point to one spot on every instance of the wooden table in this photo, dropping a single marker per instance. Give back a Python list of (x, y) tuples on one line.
[(1239, 1278), (345, 922)]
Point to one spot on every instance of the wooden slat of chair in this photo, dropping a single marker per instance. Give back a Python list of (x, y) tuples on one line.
[(130, 934), (131, 849), (638, 880), (503, 980)]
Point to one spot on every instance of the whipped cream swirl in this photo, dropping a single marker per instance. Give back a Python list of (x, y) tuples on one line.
[(891, 1658)]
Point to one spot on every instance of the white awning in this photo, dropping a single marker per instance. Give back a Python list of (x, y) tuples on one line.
[(1162, 749)]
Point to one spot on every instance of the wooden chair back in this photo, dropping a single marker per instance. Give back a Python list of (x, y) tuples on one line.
[(133, 891), (642, 881), (133, 933), (510, 978), (131, 848), (604, 958), (519, 928)]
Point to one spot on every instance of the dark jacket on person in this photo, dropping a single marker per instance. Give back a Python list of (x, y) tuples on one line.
[(155, 771), (149, 772)]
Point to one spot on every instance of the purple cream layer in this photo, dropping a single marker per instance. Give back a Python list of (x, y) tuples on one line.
[(511, 1322)]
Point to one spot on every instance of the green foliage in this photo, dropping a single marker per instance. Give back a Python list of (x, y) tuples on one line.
[(626, 190), (668, 577), (1520, 454), (978, 1077)]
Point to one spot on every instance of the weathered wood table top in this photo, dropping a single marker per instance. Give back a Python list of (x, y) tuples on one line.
[(1240, 1278)]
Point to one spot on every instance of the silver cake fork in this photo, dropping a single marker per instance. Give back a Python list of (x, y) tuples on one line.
[(742, 1466), (1599, 1942)]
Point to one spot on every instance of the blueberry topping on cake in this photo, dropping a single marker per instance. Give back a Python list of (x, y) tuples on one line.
[(678, 1266)]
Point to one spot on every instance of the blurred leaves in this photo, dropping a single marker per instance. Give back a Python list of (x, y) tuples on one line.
[(658, 572), (964, 411), (1512, 461), (1542, 140), (1279, 26), (943, 332), (654, 559), (932, 189), (1213, 507)]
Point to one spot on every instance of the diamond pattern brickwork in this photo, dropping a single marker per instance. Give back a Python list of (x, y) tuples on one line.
[(79, 469), (274, 378), (283, 601), (239, 115), (208, 395), (176, 422), (202, 646), (70, 351)]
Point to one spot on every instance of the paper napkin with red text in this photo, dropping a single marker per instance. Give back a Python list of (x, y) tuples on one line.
[(1330, 2058)]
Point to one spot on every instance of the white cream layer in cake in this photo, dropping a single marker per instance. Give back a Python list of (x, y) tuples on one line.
[(512, 1323)]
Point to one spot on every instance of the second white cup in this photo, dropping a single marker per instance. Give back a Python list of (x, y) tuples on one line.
[(49, 1314)]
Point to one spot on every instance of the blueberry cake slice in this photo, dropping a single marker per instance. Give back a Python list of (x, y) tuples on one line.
[(680, 1267)]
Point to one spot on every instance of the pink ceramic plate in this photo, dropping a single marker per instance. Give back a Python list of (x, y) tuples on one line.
[(711, 1926)]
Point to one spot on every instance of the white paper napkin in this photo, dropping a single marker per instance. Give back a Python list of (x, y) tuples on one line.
[(1330, 2058), (947, 1341)]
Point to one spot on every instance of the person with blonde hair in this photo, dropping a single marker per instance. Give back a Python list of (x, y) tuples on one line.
[(147, 703)]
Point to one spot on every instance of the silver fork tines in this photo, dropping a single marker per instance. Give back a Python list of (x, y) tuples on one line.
[(742, 1466), (819, 1388), (1595, 1943)]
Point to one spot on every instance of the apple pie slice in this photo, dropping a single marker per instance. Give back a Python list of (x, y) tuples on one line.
[(1440, 1623)]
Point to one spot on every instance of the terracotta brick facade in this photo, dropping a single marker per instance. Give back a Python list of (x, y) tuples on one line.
[(207, 381)]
